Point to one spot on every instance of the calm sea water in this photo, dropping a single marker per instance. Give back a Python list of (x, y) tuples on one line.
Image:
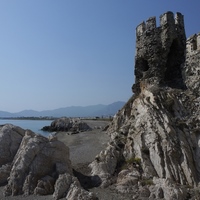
[(34, 125)]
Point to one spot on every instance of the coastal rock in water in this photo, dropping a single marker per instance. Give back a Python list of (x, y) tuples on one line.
[(73, 125), (156, 134)]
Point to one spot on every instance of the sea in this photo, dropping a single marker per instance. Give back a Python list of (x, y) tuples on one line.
[(33, 125)]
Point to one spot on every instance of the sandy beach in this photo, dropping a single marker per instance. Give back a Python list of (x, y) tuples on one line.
[(83, 147)]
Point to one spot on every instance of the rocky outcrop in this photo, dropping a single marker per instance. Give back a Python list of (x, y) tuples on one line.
[(69, 186), (10, 139), (33, 164), (36, 165), (154, 152), (72, 125)]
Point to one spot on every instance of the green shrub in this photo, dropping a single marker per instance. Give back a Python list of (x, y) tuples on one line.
[(126, 163), (133, 160), (147, 182)]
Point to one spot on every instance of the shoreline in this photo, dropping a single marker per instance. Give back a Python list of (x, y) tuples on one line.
[(83, 146)]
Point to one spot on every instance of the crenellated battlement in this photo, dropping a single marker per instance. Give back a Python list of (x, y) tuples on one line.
[(160, 51), (167, 20), (151, 23), (193, 44), (179, 20), (141, 28)]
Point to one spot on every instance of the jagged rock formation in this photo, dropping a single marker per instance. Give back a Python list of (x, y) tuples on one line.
[(33, 164), (72, 125), (10, 139), (155, 137)]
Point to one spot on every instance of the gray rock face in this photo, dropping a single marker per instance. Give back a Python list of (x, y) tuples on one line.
[(73, 125), (10, 139), (36, 165), (69, 187), (155, 136), (33, 164)]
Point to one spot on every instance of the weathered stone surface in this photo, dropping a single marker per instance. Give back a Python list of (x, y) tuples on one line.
[(10, 139), (36, 165), (127, 181), (105, 164), (167, 189), (62, 185), (4, 173), (69, 187), (160, 52), (78, 193), (156, 134), (73, 125), (37, 157)]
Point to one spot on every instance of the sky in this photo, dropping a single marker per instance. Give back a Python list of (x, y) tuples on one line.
[(60, 53)]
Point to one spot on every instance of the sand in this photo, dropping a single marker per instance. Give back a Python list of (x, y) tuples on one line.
[(85, 146)]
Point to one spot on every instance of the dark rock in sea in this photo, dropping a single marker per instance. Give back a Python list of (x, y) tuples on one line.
[(72, 125)]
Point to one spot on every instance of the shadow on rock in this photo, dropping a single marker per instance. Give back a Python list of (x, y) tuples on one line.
[(87, 182)]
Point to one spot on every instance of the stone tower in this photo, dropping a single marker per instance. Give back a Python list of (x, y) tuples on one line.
[(191, 69), (160, 52)]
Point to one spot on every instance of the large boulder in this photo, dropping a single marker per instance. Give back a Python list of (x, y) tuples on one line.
[(34, 164), (10, 139), (69, 187), (37, 164), (73, 125)]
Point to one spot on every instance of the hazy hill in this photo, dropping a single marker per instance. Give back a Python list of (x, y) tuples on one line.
[(72, 111), (6, 114)]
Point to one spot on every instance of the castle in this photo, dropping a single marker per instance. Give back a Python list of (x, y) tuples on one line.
[(162, 52)]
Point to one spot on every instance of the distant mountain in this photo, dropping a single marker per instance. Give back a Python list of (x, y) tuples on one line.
[(110, 109), (28, 113), (73, 111), (6, 114)]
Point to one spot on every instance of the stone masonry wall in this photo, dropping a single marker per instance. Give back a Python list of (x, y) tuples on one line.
[(191, 67), (160, 51)]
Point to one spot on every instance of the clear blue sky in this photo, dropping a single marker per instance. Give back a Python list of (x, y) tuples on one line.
[(59, 53)]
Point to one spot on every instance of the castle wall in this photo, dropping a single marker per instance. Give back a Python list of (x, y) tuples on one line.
[(153, 62), (191, 67), (193, 44)]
